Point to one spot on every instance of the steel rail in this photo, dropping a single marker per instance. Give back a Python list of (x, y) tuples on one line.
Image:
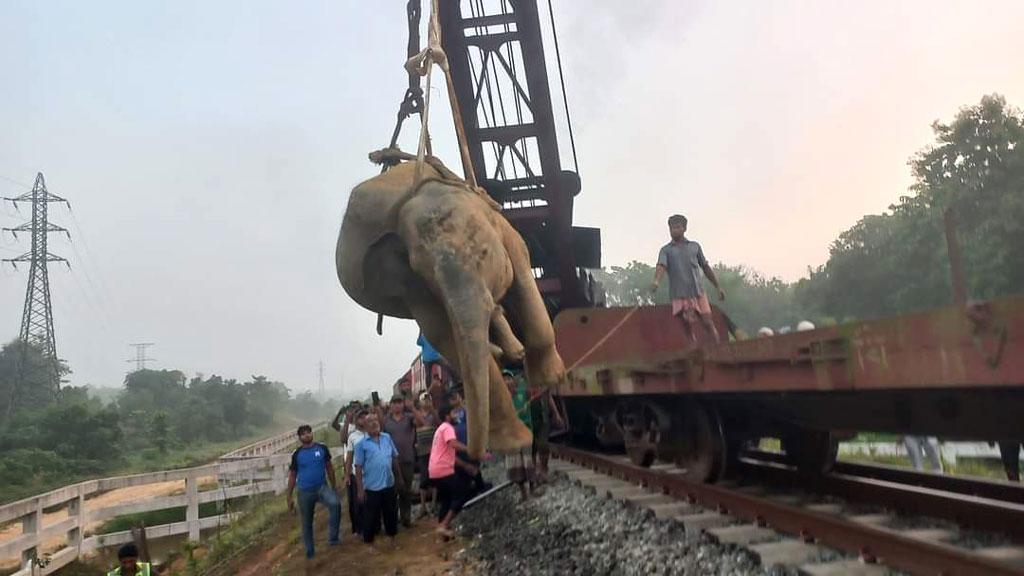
[(966, 510), (1002, 490), (871, 543)]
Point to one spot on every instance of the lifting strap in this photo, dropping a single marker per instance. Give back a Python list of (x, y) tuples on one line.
[(422, 64)]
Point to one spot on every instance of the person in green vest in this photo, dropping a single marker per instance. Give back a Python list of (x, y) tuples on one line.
[(520, 464), (128, 557)]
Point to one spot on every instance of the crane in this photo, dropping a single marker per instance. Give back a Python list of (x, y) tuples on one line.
[(499, 74)]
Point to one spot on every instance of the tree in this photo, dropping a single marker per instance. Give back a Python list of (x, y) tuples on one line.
[(897, 262), (146, 391), (264, 399), (976, 168), (629, 285), (753, 300), (160, 430)]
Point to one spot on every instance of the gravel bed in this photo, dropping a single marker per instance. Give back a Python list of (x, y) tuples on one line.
[(570, 530)]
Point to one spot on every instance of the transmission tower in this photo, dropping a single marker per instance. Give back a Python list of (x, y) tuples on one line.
[(140, 355), (37, 316)]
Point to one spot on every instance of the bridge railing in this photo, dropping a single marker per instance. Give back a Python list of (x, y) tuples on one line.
[(255, 469)]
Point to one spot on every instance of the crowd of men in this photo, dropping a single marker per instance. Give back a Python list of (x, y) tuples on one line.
[(397, 451)]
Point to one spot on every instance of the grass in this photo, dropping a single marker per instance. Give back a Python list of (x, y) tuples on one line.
[(262, 514), (979, 467), (147, 460), (170, 515)]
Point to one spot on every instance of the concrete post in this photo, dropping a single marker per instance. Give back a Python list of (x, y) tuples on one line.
[(76, 508), (280, 478), (32, 523), (192, 508)]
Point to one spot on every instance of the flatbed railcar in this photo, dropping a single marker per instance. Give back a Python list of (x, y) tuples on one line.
[(636, 381)]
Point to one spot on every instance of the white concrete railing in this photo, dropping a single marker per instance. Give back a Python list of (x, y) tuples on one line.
[(248, 471)]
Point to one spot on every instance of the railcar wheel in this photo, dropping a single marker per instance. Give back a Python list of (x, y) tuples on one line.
[(641, 430), (607, 431), (813, 452), (697, 444)]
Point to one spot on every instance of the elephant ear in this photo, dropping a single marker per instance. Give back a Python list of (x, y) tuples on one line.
[(387, 277)]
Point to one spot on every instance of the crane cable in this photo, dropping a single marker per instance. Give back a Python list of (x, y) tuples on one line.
[(561, 79), (625, 318), (422, 64)]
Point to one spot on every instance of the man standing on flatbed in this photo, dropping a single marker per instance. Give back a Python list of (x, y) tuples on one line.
[(683, 260)]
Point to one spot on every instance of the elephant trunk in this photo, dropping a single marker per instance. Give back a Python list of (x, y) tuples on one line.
[(469, 305)]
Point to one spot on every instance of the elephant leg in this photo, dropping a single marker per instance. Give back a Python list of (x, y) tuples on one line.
[(507, 432), (544, 366), (511, 348), (467, 303)]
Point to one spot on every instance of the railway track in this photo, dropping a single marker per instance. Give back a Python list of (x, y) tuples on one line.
[(842, 523)]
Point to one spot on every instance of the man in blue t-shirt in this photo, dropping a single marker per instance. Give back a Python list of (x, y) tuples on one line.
[(376, 466), (310, 470)]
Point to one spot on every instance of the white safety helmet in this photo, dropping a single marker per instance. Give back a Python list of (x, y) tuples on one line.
[(764, 332), (804, 326)]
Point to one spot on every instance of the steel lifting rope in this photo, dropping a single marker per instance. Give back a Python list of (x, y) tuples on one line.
[(423, 64)]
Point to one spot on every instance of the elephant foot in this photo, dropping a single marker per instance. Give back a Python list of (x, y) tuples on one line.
[(515, 356), (509, 436), (506, 356), (544, 368)]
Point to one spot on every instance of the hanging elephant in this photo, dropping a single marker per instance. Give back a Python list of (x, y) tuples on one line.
[(442, 253)]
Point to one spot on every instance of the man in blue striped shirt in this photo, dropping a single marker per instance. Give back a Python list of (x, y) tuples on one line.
[(376, 467)]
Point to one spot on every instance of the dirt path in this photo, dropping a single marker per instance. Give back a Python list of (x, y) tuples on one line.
[(418, 552)]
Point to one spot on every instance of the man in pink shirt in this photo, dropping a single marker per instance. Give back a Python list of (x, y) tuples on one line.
[(451, 489)]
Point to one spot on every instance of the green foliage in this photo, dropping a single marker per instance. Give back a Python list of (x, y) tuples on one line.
[(261, 516), (160, 419), (169, 515), (159, 430), (897, 261), (23, 379), (630, 285), (752, 300)]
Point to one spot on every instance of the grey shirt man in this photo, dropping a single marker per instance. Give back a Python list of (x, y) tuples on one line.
[(683, 260), (403, 436)]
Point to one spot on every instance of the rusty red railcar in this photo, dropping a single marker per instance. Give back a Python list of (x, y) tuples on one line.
[(635, 379)]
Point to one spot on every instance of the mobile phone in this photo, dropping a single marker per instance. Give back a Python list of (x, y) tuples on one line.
[(376, 398)]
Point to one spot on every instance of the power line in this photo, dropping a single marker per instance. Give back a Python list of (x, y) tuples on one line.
[(13, 181)]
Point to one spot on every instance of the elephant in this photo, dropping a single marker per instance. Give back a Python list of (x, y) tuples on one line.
[(418, 242)]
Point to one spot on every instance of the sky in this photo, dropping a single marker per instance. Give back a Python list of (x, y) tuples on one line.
[(208, 150)]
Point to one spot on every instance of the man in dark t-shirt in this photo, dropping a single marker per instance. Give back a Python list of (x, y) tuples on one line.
[(310, 471), (683, 260), (400, 424)]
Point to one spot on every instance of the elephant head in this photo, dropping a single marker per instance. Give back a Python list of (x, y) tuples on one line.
[(443, 254)]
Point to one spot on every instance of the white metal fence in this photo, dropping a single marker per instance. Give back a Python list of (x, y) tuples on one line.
[(55, 525)]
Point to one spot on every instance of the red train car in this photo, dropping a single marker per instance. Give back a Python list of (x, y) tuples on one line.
[(635, 379)]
